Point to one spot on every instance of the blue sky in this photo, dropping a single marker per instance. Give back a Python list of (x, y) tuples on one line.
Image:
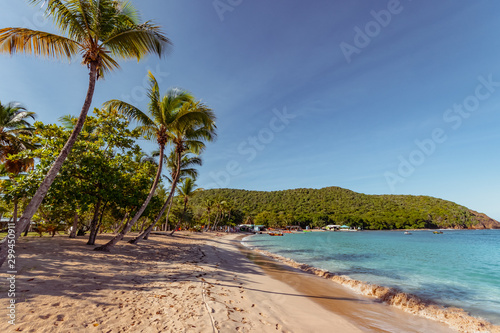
[(380, 97)]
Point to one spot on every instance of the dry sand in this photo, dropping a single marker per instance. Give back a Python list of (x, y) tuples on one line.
[(186, 283)]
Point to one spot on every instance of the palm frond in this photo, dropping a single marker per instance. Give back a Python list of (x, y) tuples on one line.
[(68, 121), (148, 132), (137, 41), (20, 117), (154, 95), (131, 112), (70, 17), (108, 64), (194, 146), (38, 43), (194, 114)]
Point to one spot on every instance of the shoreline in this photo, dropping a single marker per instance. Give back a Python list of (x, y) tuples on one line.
[(186, 283), (452, 317)]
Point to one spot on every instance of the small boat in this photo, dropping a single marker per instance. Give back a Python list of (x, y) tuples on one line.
[(437, 232), (274, 233), (407, 233)]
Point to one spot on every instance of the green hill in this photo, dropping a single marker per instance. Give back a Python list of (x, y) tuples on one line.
[(334, 205)]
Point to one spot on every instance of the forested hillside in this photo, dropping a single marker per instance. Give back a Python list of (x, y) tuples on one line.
[(334, 205)]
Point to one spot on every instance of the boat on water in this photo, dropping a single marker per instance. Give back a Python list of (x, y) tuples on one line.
[(407, 233), (275, 233), (437, 232)]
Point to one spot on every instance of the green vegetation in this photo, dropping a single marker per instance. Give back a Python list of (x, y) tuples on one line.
[(334, 205), (101, 32)]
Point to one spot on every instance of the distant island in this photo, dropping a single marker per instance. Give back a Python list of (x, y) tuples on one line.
[(335, 205)]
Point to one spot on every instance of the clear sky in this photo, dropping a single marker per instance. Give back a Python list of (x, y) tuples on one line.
[(380, 97)]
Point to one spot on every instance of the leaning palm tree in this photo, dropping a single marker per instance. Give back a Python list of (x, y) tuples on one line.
[(168, 115), (195, 124), (186, 191), (100, 31), (186, 170)]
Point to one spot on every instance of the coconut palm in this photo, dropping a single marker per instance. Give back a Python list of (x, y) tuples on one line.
[(208, 204), (188, 161), (173, 118), (186, 191), (186, 170), (186, 136), (101, 31), (13, 124)]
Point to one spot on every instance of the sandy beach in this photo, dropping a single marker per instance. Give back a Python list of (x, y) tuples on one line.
[(187, 283)]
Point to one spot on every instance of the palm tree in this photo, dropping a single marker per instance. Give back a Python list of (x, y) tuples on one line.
[(98, 30), (222, 207), (186, 170), (208, 204), (13, 123), (186, 191), (188, 161), (187, 136), (173, 114)]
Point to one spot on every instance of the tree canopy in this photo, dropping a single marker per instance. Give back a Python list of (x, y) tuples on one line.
[(335, 205)]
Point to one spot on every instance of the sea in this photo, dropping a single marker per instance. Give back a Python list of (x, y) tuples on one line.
[(458, 268)]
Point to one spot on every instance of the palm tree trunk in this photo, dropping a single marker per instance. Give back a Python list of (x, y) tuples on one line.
[(166, 218), (216, 221), (121, 223), (40, 194), (75, 226), (100, 220), (109, 245), (162, 211), (147, 233), (175, 179), (182, 218), (26, 230), (144, 220), (206, 229), (14, 215), (177, 175), (93, 224)]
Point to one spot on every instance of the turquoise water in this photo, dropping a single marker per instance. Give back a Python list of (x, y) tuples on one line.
[(457, 268)]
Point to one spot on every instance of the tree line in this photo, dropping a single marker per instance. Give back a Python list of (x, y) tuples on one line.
[(334, 205), (91, 165)]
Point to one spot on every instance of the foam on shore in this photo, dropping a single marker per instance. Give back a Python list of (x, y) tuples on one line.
[(454, 317)]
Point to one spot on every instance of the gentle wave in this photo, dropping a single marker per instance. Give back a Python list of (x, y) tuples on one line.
[(454, 317)]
